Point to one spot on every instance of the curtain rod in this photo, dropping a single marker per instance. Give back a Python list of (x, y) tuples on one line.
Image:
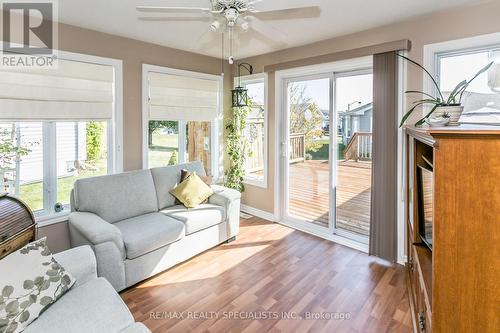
[(399, 45)]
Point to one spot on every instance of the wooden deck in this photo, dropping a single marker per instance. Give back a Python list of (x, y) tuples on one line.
[(309, 194)]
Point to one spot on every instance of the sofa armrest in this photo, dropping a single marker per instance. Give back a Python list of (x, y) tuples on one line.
[(223, 196), (80, 262), (231, 200), (96, 231)]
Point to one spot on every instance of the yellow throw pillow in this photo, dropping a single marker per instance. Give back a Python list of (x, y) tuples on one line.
[(192, 192)]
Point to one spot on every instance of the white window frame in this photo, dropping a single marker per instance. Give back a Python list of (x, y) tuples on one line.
[(249, 79), (280, 182), (47, 216), (433, 52), (216, 126)]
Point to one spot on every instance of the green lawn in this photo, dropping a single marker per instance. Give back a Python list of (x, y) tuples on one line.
[(322, 153), (32, 193), (161, 150)]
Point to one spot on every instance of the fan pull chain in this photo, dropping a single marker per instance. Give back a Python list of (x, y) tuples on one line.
[(222, 54), (231, 57)]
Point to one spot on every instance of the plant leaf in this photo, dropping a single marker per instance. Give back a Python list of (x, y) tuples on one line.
[(481, 71), (12, 327), (420, 92), (45, 300), (422, 121), (426, 71), (7, 291), (432, 101), (24, 316), (455, 91), (407, 114), (28, 284), (12, 307)]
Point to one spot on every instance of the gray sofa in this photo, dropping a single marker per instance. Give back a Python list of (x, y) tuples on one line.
[(90, 306), (136, 230)]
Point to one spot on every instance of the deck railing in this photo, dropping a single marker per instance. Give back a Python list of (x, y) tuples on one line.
[(359, 147), (255, 161), (297, 147)]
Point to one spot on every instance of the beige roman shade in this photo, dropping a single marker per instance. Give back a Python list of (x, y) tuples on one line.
[(175, 97), (73, 91)]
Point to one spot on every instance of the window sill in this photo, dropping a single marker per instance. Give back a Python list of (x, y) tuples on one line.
[(256, 183), (46, 220)]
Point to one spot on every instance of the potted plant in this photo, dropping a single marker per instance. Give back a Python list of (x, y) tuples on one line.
[(441, 107)]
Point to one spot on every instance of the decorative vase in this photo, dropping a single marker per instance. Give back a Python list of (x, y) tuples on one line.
[(454, 111)]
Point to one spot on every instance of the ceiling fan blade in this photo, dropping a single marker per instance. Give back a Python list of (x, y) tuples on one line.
[(257, 32), (153, 9), (256, 35), (253, 2), (175, 19), (263, 28), (287, 14), (209, 40)]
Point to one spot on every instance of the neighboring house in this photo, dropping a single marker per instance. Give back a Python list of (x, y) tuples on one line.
[(326, 120), (71, 147), (359, 119)]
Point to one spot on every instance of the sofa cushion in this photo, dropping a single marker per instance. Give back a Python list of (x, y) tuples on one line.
[(166, 178), (192, 192), (199, 218), (116, 197), (185, 175), (145, 233), (93, 307)]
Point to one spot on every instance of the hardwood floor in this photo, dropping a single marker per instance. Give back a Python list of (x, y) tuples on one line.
[(274, 271)]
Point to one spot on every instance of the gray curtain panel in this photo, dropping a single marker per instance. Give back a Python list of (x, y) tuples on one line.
[(383, 231)]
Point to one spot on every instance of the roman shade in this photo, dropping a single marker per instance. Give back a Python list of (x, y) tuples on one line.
[(73, 91), (175, 97)]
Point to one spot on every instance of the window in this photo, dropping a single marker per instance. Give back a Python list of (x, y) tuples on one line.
[(81, 152), (58, 126), (256, 130), (181, 117), (454, 61)]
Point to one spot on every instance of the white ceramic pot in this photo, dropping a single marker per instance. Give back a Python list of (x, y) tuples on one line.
[(454, 111)]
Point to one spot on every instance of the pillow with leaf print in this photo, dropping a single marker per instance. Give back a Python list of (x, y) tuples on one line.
[(30, 281)]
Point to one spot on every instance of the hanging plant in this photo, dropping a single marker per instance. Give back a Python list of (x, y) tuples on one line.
[(236, 147)]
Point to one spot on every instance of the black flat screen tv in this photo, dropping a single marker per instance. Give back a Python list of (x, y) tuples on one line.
[(425, 189)]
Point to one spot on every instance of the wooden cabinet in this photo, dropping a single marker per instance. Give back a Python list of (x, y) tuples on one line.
[(456, 286)]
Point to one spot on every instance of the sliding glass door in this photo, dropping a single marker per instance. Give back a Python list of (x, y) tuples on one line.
[(307, 141), (353, 138), (326, 154)]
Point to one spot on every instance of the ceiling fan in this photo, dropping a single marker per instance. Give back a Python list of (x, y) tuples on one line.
[(227, 15)]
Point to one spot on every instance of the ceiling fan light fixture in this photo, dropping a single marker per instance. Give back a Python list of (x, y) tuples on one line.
[(244, 25), (215, 26)]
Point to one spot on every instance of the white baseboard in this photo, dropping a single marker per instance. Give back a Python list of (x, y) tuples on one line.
[(258, 213)]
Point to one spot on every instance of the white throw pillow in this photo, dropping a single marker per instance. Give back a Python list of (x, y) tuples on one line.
[(30, 280)]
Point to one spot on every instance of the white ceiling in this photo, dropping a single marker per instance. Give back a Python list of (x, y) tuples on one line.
[(338, 17)]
